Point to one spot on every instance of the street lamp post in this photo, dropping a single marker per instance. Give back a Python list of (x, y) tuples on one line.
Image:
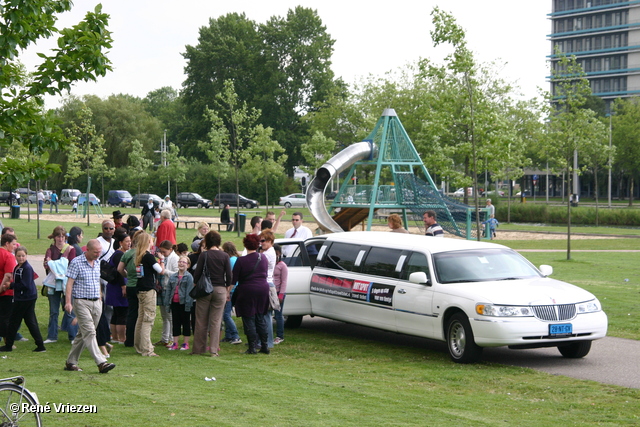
[(609, 184)]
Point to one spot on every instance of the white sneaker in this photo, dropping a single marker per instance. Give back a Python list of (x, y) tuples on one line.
[(278, 340), (48, 341), (23, 339)]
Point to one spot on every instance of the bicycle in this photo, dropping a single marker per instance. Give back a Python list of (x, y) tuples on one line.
[(13, 397)]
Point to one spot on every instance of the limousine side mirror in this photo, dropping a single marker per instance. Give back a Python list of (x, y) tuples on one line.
[(419, 277), (546, 270)]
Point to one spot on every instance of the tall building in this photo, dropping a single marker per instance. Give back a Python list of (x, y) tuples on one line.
[(604, 35)]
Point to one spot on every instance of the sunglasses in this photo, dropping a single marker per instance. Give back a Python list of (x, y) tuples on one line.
[(262, 241), (108, 228)]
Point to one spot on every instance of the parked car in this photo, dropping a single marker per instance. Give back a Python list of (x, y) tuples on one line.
[(141, 199), (69, 195), (460, 192), (93, 199), (120, 198), (192, 199), (527, 193), (297, 200), (231, 199), (467, 294)]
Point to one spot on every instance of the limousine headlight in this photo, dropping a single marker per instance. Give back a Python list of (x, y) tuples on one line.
[(503, 310), (588, 307)]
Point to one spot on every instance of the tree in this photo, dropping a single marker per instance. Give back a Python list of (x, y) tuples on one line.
[(470, 122), (317, 151), (79, 56), (236, 134), (626, 136), (571, 128), (281, 68), (86, 153), (139, 164), (177, 167)]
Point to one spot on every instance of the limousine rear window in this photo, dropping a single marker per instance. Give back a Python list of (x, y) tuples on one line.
[(481, 266), (383, 262), (341, 256)]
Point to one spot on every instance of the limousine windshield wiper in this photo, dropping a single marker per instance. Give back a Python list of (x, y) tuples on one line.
[(464, 281)]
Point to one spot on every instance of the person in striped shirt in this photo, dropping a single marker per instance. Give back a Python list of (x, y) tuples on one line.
[(433, 228)]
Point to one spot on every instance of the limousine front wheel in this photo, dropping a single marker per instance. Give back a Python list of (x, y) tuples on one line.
[(462, 346), (575, 350)]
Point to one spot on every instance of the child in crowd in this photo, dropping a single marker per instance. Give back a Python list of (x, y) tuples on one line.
[(490, 226), (177, 297), (182, 249), (25, 295), (156, 218), (74, 207)]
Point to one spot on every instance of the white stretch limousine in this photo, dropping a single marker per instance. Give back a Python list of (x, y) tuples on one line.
[(469, 294)]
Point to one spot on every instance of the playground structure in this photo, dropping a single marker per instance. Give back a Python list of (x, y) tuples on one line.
[(401, 184)]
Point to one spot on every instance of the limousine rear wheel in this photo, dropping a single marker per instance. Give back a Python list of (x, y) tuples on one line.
[(575, 350), (462, 346), (293, 322)]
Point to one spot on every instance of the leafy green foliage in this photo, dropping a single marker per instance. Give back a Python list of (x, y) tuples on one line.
[(79, 56), (281, 68)]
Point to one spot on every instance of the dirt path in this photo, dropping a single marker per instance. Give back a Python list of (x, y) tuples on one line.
[(285, 225)]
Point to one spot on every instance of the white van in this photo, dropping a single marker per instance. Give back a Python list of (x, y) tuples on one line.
[(469, 294), (69, 195)]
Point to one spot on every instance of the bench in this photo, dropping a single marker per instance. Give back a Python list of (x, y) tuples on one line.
[(5, 213), (219, 224), (186, 223)]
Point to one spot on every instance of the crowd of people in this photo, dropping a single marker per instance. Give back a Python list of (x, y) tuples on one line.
[(110, 289)]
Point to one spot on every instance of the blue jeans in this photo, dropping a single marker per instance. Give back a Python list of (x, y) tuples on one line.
[(280, 319), (230, 329), (56, 301), (40, 203)]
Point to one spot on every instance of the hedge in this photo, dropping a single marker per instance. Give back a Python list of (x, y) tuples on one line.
[(545, 214)]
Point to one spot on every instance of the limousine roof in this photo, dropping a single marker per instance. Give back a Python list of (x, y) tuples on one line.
[(432, 244)]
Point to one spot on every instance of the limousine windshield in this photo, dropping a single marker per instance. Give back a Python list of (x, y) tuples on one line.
[(482, 266)]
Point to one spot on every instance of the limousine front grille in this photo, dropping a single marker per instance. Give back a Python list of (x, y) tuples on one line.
[(555, 312)]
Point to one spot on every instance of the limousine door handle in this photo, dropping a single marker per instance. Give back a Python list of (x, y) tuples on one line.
[(402, 291)]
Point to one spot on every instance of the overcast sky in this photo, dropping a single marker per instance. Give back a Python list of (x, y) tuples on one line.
[(372, 37)]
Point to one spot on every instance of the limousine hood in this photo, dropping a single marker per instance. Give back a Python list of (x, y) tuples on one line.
[(537, 291)]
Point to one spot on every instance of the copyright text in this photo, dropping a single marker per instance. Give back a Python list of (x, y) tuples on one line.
[(55, 408)]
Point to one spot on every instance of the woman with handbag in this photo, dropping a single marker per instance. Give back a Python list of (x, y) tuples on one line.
[(251, 296), (214, 264)]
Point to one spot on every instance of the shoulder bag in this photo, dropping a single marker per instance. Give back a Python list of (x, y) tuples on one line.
[(108, 272), (204, 286)]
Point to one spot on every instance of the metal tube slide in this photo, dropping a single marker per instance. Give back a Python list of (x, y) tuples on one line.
[(336, 165)]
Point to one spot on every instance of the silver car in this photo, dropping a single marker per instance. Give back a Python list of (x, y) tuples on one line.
[(296, 200)]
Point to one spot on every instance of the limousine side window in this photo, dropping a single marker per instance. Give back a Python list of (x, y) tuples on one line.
[(382, 262), (341, 256), (417, 262)]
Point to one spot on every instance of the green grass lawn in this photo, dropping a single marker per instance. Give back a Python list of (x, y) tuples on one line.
[(319, 378)]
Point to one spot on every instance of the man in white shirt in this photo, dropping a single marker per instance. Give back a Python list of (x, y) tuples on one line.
[(298, 231), (106, 239)]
